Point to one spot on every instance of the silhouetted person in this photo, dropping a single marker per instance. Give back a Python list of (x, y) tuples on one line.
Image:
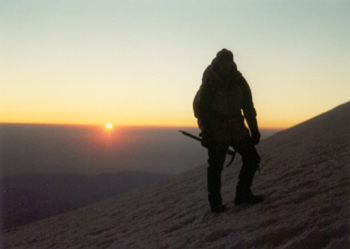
[(218, 105)]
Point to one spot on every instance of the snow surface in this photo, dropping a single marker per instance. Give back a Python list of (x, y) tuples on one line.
[(304, 177)]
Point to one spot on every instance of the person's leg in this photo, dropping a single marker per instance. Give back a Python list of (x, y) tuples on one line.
[(217, 155), (250, 159)]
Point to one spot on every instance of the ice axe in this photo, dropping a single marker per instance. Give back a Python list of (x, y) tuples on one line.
[(230, 152)]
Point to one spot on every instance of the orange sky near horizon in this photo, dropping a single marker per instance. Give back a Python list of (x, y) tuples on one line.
[(191, 122)]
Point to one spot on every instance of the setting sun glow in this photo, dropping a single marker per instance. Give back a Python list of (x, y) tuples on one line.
[(108, 126)]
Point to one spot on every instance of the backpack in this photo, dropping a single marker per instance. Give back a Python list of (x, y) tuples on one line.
[(196, 104)]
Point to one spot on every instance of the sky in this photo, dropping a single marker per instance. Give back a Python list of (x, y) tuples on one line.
[(140, 63)]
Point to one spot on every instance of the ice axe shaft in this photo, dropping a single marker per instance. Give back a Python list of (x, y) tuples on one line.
[(191, 136), (230, 152)]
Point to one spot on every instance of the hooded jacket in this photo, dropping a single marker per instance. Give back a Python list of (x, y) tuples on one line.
[(222, 98)]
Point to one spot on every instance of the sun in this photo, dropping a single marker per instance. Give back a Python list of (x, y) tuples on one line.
[(108, 126)]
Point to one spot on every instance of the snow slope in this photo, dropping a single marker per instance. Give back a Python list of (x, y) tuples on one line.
[(31, 197), (304, 176)]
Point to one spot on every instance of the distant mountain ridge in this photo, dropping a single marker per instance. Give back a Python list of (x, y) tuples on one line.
[(30, 197)]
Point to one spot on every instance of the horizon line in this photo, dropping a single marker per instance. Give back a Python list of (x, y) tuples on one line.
[(126, 126)]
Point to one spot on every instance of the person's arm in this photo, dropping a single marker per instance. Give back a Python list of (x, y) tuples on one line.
[(249, 111)]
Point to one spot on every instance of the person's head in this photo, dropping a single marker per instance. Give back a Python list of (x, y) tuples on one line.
[(224, 60)]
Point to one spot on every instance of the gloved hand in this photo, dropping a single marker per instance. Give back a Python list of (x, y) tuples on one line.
[(206, 139), (255, 136), (205, 126)]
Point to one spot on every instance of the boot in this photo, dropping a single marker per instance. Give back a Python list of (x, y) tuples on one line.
[(245, 195), (218, 209), (243, 192), (214, 191)]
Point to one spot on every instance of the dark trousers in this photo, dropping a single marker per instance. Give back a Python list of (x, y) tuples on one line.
[(217, 155)]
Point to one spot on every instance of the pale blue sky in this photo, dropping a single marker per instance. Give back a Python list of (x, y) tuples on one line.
[(141, 62)]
